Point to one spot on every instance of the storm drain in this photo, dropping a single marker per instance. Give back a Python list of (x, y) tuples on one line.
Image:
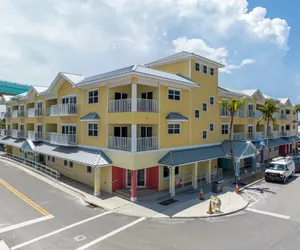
[(167, 202), (79, 238)]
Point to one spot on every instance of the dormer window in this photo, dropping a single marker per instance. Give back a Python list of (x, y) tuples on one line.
[(197, 66)]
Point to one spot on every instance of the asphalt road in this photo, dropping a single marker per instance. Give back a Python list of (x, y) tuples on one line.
[(37, 215)]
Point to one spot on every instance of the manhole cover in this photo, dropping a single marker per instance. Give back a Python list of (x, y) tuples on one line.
[(167, 202), (79, 238)]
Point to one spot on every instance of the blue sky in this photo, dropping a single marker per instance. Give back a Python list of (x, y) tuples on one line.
[(257, 40)]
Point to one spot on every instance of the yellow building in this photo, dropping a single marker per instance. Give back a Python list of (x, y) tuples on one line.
[(157, 126)]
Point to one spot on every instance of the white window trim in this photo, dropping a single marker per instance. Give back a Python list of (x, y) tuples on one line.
[(174, 124), (214, 127), (70, 95), (199, 67), (195, 113), (206, 69), (88, 93), (88, 129), (89, 173), (206, 107), (214, 100), (210, 71), (167, 178), (251, 125), (180, 95), (228, 128), (206, 134)]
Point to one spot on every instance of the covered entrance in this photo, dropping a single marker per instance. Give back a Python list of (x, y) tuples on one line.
[(140, 178)]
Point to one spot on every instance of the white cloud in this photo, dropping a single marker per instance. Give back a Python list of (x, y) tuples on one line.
[(200, 47)]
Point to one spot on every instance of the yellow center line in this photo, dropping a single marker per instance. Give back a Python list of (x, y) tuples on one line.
[(24, 198)]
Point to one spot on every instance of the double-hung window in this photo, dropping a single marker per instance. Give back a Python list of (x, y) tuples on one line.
[(173, 128), (204, 69), (93, 129), (225, 129), (197, 113), (212, 127), (197, 66), (212, 71), (204, 134), (204, 107), (93, 96), (211, 100), (174, 94)]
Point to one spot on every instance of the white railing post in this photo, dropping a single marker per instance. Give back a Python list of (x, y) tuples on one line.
[(133, 138), (134, 96)]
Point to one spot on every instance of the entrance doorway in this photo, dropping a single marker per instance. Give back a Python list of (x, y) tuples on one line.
[(140, 178)]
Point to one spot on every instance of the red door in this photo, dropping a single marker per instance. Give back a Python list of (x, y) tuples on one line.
[(152, 176), (118, 178)]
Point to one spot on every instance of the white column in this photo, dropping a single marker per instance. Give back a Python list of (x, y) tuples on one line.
[(194, 175), (209, 171), (172, 181), (134, 97), (133, 138)]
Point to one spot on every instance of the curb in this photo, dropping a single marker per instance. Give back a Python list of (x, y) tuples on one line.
[(251, 184)]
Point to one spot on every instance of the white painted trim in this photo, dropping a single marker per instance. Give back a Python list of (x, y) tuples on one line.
[(214, 101), (68, 96), (195, 113), (200, 64), (91, 120), (191, 117), (87, 129), (159, 132), (174, 123), (180, 94), (228, 128), (138, 186), (167, 178), (190, 71), (88, 92), (206, 134), (134, 97), (133, 137)]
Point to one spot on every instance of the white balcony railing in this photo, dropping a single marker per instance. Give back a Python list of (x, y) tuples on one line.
[(61, 139), (147, 143), (30, 112), (240, 113), (21, 113), (239, 136), (251, 113), (224, 112), (147, 105), (285, 117), (286, 133), (31, 135), (273, 134), (15, 114), (17, 133), (121, 143), (62, 109), (39, 112), (3, 132), (258, 114), (125, 105)]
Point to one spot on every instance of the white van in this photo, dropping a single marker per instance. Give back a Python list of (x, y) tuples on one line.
[(280, 169)]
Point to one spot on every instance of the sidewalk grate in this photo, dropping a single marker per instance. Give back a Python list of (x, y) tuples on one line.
[(167, 202)]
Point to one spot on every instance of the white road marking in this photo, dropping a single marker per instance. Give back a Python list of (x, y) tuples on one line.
[(59, 231), (268, 213), (110, 234), (26, 223), (248, 193)]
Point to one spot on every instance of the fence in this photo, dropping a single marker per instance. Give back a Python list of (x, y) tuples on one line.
[(37, 167)]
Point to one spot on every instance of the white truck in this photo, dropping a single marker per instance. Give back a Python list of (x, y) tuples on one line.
[(280, 169)]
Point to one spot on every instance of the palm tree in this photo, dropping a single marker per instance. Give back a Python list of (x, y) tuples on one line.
[(232, 106), (268, 111), (297, 110), (2, 123)]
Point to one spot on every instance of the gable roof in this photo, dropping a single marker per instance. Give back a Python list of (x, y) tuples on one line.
[(91, 116), (137, 70), (70, 77), (182, 56), (172, 116), (234, 91)]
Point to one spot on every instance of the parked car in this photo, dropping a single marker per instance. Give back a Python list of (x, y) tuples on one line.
[(280, 169), (296, 160)]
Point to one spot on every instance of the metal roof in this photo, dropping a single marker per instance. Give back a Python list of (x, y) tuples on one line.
[(90, 117), (40, 89), (80, 155), (192, 155), (175, 116), (12, 142), (140, 70), (73, 78), (12, 88), (271, 143)]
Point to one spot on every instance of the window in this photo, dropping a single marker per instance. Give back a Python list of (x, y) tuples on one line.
[(93, 129), (212, 127), (166, 172), (174, 94), (225, 129), (65, 163), (204, 134), (70, 164), (48, 158), (204, 106), (204, 69), (93, 96), (53, 159), (212, 71), (197, 66), (294, 126), (173, 128), (211, 100), (197, 113), (88, 169)]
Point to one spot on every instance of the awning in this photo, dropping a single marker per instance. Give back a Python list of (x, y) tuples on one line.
[(12, 142), (92, 116), (241, 149), (175, 116), (84, 156)]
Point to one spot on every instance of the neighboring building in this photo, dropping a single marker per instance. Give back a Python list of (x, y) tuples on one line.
[(155, 126), (12, 88)]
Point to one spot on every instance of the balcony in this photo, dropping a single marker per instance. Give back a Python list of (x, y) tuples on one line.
[(224, 112), (21, 114), (7, 115), (239, 136), (61, 139), (276, 115), (62, 109), (125, 143), (15, 114), (31, 135), (274, 134), (285, 133), (3, 132), (30, 112), (251, 113), (126, 105), (258, 114), (285, 117), (38, 112), (18, 133)]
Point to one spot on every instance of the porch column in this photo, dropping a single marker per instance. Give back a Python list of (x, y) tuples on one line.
[(134, 97), (133, 186), (194, 175), (209, 171), (96, 181), (237, 169), (133, 138), (253, 164), (172, 181)]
